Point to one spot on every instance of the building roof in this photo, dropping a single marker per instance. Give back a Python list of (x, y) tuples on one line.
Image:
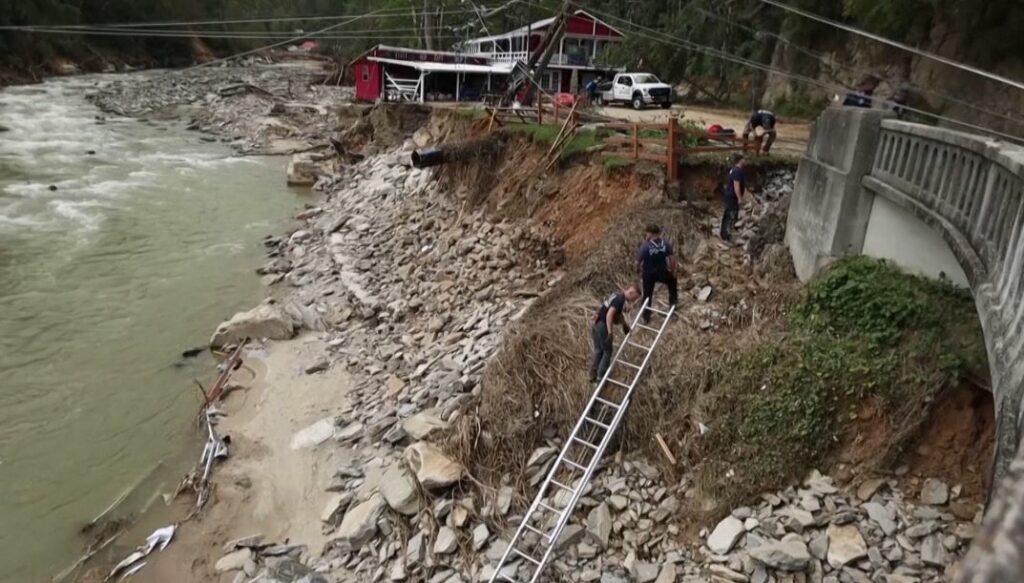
[(538, 26), (428, 67)]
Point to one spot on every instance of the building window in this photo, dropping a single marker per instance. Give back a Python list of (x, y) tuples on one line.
[(366, 72)]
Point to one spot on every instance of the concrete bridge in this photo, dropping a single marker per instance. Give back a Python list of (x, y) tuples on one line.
[(943, 204)]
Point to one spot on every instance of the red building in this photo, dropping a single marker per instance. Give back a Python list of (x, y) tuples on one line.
[(482, 65)]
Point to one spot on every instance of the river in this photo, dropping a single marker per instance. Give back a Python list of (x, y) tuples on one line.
[(123, 242)]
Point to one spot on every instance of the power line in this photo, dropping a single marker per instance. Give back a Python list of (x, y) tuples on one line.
[(684, 43), (899, 45), (360, 34), (275, 45), (821, 59), (384, 12)]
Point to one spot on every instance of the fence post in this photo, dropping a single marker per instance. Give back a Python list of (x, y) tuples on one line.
[(636, 141), (673, 162)]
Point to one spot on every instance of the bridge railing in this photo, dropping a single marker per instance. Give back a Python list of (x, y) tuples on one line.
[(974, 183)]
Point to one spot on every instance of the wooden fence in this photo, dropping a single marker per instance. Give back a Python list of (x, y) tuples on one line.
[(660, 142)]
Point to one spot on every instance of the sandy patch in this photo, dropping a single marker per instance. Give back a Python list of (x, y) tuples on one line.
[(265, 487)]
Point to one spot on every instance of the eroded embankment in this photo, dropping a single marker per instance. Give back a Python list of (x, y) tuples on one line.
[(853, 376), (457, 302)]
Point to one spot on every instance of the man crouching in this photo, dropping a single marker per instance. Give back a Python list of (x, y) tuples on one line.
[(611, 312)]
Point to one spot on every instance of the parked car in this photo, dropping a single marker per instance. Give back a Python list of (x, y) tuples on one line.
[(637, 89)]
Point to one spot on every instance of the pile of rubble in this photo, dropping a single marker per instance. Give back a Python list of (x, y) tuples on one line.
[(256, 107), (414, 291), (817, 533)]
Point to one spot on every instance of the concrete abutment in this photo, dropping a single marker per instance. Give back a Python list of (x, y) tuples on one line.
[(943, 204)]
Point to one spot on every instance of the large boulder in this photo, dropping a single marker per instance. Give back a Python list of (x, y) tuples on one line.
[(726, 535), (303, 171), (399, 490), (789, 554), (263, 321), (433, 469), (360, 523)]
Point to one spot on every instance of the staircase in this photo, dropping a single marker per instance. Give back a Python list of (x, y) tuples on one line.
[(537, 536)]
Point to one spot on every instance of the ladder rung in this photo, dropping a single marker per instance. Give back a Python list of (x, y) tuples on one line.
[(575, 465), (615, 382), (526, 556), (629, 364), (563, 486), (531, 529), (506, 577), (605, 402), (647, 328), (585, 442), (631, 343), (549, 509), (598, 423), (657, 311)]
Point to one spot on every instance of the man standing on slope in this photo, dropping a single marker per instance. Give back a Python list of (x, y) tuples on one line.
[(612, 311), (657, 264), (735, 188)]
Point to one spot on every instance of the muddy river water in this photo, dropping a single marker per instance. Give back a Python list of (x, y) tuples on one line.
[(122, 243)]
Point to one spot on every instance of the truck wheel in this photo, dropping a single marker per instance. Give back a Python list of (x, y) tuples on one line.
[(638, 102), (666, 105)]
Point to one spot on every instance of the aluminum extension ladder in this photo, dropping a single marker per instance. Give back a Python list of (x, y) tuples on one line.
[(537, 535)]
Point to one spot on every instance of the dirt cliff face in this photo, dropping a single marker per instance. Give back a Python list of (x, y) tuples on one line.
[(845, 59)]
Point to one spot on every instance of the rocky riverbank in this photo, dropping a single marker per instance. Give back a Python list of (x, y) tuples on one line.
[(401, 290)]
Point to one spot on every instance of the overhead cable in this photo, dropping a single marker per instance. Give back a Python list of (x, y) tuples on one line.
[(726, 56), (878, 38)]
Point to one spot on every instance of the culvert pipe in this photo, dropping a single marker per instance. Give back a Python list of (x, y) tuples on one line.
[(427, 157), (457, 152)]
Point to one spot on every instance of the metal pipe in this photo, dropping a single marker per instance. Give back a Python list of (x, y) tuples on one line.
[(490, 146)]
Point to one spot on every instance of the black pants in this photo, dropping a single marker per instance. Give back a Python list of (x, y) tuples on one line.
[(666, 277), (732, 212), (602, 349)]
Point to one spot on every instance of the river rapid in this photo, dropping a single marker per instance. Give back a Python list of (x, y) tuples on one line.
[(123, 242)]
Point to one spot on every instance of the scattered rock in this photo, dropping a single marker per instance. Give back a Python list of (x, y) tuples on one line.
[(433, 469), (360, 523), (845, 545), (934, 492), (789, 554), (398, 488), (726, 535), (263, 321)]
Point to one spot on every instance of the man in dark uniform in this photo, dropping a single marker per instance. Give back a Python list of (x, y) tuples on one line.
[(657, 264), (861, 97), (611, 312), (735, 188), (765, 120)]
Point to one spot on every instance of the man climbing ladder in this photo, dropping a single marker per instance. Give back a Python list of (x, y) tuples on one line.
[(534, 541)]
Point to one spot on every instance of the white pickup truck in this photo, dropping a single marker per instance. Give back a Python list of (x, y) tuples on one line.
[(637, 89)]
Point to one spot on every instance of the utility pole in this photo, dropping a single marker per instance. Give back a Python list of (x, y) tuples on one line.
[(539, 59)]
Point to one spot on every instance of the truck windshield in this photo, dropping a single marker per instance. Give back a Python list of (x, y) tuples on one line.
[(645, 79)]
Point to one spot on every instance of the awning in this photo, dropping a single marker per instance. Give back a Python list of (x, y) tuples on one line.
[(428, 67)]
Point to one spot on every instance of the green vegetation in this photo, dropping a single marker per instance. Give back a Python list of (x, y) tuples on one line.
[(611, 162), (865, 333), (547, 134)]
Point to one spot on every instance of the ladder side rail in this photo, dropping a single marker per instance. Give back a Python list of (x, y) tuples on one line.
[(595, 459), (606, 440), (613, 426)]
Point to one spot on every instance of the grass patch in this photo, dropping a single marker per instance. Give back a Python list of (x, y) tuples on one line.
[(863, 333), (612, 162), (547, 134), (472, 113)]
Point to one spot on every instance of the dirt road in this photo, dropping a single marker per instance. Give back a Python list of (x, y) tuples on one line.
[(792, 139)]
